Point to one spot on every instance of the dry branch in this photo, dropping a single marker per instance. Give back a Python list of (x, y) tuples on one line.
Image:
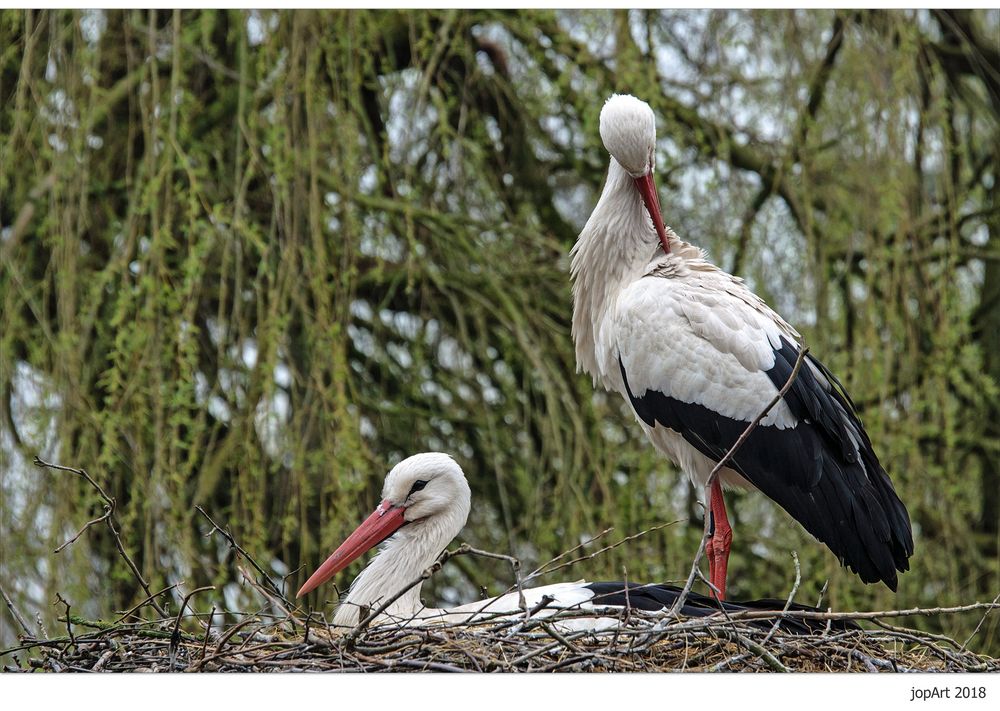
[(239, 549), (14, 613), (110, 519)]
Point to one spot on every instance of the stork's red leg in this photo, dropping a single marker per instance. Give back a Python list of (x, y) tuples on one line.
[(717, 546), (710, 544)]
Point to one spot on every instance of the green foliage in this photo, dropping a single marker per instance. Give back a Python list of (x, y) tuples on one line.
[(251, 259)]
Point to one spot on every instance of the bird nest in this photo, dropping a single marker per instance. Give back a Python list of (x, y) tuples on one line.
[(641, 643), (283, 637), (745, 641)]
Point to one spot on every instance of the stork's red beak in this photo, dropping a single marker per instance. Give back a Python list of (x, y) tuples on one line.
[(383, 522), (647, 188)]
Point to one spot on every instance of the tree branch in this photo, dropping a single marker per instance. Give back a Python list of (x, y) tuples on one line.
[(113, 525)]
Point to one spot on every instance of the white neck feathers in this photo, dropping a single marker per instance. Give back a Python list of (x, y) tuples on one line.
[(615, 248), (400, 561)]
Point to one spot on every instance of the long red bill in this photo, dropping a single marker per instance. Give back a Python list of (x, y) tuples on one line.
[(647, 189), (382, 523)]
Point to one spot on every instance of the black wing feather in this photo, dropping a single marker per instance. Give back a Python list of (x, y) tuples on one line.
[(823, 471)]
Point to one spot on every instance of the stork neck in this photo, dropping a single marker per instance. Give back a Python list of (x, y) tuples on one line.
[(618, 240), (615, 248), (400, 561)]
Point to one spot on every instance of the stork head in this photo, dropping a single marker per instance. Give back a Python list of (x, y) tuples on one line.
[(427, 485), (628, 129), (422, 490)]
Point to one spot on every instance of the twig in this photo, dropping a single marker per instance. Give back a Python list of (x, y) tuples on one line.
[(14, 613), (147, 600), (102, 662), (107, 514), (822, 593), (38, 462), (556, 635), (791, 596), (542, 650), (979, 626), (175, 636), (208, 630), (912, 612), (69, 628), (729, 662), (249, 558), (682, 598), (544, 602), (232, 631), (871, 663), (555, 666), (279, 602), (412, 664), (540, 570), (599, 551), (756, 648), (515, 564), (284, 579), (112, 522), (930, 635)]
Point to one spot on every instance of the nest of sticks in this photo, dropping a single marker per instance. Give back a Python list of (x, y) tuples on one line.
[(284, 638), (641, 643)]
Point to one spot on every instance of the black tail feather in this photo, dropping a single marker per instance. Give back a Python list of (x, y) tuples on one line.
[(655, 597)]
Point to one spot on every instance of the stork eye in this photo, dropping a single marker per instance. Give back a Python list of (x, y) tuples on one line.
[(417, 486)]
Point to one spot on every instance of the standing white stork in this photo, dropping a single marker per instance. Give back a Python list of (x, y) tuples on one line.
[(425, 503), (698, 356)]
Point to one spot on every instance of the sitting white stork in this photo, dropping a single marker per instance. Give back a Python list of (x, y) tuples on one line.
[(425, 503), (699, 356)]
